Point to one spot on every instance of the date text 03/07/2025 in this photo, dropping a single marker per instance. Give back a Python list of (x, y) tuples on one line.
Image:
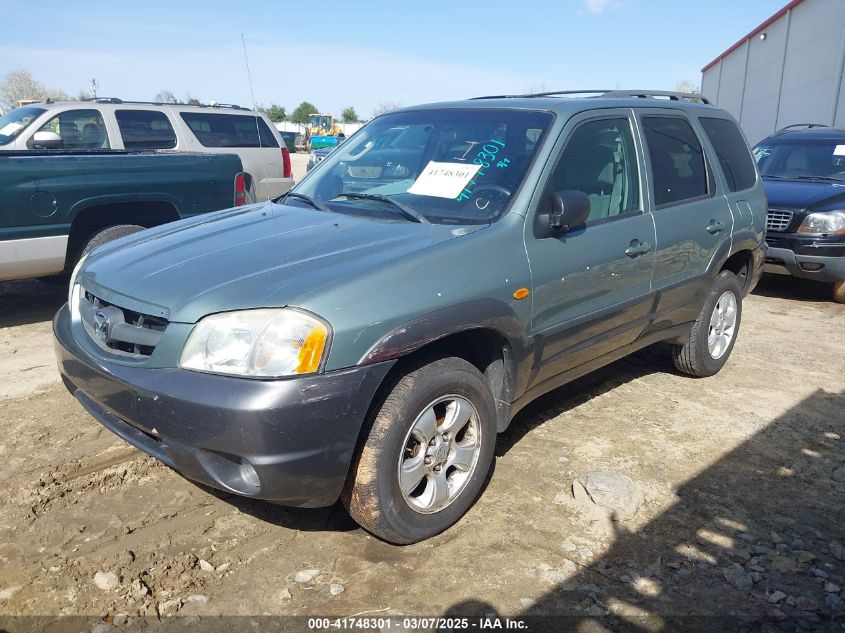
[(409, 623)]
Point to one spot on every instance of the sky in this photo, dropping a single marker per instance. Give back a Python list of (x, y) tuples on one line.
[(337, 54)]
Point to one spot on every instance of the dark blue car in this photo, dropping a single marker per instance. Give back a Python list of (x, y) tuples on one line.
[(803, 169)]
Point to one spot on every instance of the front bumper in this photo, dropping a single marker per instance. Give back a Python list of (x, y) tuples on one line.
[(299, 434), (819, 267)]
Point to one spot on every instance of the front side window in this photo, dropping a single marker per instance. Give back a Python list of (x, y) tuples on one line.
[(79, 129), (600, 160), (229, 130), (16, 121), (450, 166), (801, 158), (145, 129), (732, 152), (677, 160)]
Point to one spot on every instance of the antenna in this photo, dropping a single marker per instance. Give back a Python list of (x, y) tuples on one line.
[(248, 74)]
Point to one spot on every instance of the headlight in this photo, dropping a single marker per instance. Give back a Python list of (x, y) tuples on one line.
[(261, 343), (73, 276), (827, 222), (313, 157)]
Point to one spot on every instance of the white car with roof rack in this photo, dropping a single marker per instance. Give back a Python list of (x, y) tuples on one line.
[(109, 123)]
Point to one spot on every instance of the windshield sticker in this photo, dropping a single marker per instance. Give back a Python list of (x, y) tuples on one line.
[(444, 180), (839, 150)]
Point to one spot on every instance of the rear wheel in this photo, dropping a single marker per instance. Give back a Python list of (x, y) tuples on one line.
[(839, 291), (714, 332), (107, 235), (426, 455)]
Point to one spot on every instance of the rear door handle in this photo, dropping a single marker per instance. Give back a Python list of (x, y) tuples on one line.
[(716, 226), (637, 248)]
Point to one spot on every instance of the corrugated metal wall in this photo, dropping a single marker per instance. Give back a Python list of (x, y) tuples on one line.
[(794, 75)]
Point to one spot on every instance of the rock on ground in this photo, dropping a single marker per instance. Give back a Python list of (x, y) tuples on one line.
[(306, 575), (608, 490), (107, 581), (738, 577)]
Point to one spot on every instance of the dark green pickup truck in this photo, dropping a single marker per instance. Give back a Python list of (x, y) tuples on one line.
[(56, 205)]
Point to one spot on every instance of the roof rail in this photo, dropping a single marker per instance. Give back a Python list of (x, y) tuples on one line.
[(650, 94), (609, 94), (794, 126), (553, 93), (231, 106)]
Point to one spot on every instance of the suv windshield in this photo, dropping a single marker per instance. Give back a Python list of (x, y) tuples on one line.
[(449, 166), (801, 158), (16, 121)]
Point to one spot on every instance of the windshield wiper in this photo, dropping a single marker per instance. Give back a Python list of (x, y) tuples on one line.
[(307, 199), (407, 211)]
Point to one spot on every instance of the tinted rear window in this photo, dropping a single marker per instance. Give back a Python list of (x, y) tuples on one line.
[(732, 153), (677, 160), (145, 129), (229, 130)]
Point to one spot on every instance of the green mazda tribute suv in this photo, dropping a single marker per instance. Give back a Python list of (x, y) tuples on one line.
[(366, 336)]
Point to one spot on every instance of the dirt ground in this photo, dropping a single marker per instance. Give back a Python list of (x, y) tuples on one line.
[(742, 512)]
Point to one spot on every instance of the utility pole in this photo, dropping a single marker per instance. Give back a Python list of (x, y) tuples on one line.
[(94, 86)]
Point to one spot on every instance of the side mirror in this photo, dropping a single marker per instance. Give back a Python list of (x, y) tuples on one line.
[(570, 209), (45, 139)]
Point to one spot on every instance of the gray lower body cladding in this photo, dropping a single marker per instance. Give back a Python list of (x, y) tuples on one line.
[(832, 268), (288, 441)]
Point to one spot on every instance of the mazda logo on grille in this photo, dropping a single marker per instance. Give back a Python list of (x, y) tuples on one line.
[(101, 325)]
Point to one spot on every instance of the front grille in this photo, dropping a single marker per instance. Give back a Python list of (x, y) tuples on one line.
[(774, 241), (120, 330), (778, 219)]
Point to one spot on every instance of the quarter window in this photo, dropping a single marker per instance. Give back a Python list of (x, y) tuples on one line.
[(677, 160), (600, 160), (145, 129), (732, 152), (229, 130), (79, 129)]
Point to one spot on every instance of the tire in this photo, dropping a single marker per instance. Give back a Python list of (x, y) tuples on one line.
[(107, 235), (436, 390), (696, 357), (839, 291)]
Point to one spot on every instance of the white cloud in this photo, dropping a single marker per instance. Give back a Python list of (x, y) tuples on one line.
[(596, 6)]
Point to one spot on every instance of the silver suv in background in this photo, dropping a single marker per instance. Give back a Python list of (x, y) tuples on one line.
[(114, 124)]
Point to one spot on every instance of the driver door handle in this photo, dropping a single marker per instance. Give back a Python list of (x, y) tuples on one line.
[(637, 248), (716, 226)]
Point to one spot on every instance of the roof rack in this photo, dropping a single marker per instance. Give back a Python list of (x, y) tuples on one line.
[(610, 94), (231, 106), (795, 126)]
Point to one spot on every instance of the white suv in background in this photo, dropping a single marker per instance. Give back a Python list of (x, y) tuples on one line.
[(133, 125)]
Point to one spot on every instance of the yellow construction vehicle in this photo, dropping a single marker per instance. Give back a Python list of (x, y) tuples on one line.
[(323, 131)]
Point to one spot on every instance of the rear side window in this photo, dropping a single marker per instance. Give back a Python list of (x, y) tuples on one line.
[(229, 130), (732, 153), (677, 161), (145, 129)]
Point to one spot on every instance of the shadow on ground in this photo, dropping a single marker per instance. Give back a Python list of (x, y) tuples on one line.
[(794, 289), (756, 542), (30, 301)]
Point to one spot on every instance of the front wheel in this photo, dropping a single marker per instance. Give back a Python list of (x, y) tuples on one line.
[(839, 291), (426, 455), (714, 332)]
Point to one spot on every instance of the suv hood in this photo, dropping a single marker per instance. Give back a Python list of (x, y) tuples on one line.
[(804, 194), (260, 256)]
